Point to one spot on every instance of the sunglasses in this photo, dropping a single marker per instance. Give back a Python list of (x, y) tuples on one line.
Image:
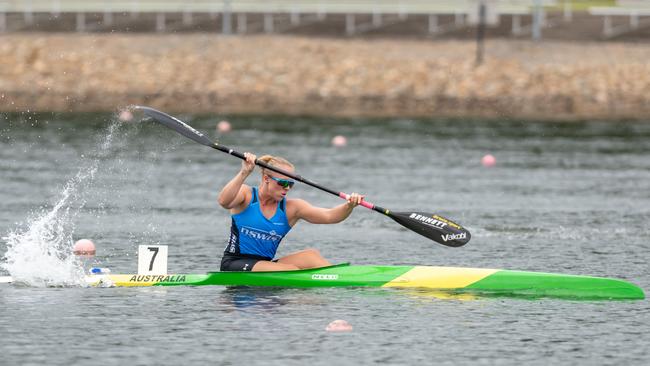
[(284, 183)]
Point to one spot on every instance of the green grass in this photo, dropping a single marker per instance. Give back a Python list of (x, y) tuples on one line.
[(583, 5)]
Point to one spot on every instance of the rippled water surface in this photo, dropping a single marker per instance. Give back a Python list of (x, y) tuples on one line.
[(568, 198)]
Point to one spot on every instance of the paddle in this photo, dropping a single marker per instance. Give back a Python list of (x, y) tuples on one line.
[(432, 226)]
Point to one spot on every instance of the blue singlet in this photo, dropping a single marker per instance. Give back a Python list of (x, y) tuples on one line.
[(253, 234)]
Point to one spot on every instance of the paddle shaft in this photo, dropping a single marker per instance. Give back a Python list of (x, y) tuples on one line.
[(297, 177)]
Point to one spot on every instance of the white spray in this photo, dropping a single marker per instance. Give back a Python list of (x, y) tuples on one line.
[(41, 255)]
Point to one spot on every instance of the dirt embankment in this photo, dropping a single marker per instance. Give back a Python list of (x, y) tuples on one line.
[(317, 76)]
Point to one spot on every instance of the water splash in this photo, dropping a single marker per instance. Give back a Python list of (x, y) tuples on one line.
[(41, 255)]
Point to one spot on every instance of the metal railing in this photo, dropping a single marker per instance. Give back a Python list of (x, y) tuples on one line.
[(271, 6), (464, 11), (633, 9)]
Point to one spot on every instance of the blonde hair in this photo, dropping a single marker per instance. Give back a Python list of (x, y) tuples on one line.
[(274, 161)]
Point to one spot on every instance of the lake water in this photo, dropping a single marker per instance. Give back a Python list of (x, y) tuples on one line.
[(563, 197)]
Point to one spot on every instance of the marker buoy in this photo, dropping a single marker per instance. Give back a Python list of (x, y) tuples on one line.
[(488, 161), (339, 326), (224, 127), (125, 116), (84, 247), (339, 141)]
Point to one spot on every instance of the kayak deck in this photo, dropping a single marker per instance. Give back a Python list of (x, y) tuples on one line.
[(486, 282)]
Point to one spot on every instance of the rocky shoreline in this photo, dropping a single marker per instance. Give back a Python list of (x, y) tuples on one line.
[(289, 75)]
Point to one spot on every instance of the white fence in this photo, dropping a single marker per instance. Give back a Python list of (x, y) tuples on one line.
[(463, 11), (632, 9)]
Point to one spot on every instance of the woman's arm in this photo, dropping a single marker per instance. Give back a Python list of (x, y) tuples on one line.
[(233, 194), (318, 215)]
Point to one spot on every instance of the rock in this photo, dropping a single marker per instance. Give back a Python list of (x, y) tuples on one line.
[(295, 75)]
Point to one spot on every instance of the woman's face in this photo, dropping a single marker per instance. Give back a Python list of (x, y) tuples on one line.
[(278, 185)]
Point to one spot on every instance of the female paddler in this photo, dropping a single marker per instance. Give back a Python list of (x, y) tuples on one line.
[(263, 215)]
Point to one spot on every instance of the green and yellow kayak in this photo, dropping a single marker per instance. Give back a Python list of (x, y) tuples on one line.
[(484, 282)]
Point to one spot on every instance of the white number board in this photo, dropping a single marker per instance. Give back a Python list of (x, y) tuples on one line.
[(152, 259)]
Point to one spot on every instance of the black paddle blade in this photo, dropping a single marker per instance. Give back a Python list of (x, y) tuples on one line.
[(434, 227), (176, 125)]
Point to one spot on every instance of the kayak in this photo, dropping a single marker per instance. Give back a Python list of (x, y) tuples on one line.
[(483, 282)]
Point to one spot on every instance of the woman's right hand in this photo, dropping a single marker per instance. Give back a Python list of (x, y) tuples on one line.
[(248, 165)]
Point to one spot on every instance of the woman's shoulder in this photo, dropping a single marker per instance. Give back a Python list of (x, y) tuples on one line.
[(244, 202), (296, 202), (293, 208), (294, 205), (247, 191)]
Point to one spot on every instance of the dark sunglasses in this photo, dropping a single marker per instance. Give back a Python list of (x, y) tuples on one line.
[(284, 183)]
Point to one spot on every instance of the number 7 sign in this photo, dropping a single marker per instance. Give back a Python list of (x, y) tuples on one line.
[(152, 259)]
